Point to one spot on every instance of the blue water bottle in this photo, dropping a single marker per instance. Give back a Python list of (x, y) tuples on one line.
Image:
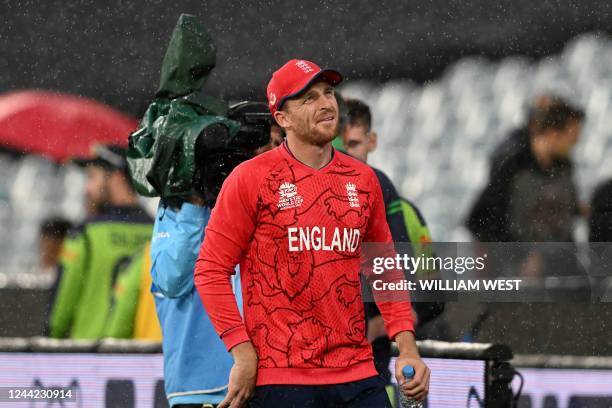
[(406, 402)]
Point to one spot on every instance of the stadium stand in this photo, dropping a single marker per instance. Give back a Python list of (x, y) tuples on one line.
[(435, 141)]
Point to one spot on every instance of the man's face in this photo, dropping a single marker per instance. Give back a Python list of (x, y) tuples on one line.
[(313, 117), (566, 139), (358, 141), (96, 187)]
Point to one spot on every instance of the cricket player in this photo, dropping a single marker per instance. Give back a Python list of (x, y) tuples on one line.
[(294, 218)]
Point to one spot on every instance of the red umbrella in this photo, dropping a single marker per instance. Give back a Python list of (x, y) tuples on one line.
[(59, 126)]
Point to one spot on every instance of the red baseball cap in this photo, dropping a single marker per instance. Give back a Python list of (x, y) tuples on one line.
[(295, 77)]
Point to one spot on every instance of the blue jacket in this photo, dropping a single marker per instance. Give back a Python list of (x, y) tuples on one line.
[(196, 363)]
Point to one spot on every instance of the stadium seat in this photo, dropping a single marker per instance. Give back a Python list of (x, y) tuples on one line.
[(434, 140), (446, 130)]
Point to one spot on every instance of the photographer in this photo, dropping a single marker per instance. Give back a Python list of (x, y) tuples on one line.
[(186, 146)]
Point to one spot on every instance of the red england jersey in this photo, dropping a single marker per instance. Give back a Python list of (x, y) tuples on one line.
[(296, 233)]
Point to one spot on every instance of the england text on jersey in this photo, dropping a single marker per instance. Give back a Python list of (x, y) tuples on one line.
[(317, 239)]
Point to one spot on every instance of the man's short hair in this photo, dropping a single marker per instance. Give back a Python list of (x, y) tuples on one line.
[(55, 227), (358, 113), (557, 115)]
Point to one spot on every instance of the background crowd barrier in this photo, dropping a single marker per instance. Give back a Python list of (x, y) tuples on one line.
[(127, 373), (124, 373), (554, 381), (116, 373)]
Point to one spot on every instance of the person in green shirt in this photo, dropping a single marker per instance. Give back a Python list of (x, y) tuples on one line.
[(96, 251)]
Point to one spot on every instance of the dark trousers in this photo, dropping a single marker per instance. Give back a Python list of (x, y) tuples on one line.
[(368, 393), (194, 406)]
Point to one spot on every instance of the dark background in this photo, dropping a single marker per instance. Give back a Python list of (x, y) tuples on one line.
[(112, 50)]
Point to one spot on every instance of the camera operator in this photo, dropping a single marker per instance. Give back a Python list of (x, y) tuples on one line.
[(188, 142), (189, 338)]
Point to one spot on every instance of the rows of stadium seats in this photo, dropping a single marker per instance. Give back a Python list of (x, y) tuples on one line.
[(32, 188), (435, 140)]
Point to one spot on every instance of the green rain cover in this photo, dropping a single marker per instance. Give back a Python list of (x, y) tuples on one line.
[(161, 153)]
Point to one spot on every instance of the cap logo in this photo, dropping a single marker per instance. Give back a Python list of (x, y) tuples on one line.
[(304, 66), (272, 98)]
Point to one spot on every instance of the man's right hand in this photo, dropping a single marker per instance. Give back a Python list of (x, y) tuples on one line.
[(242, 376)]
